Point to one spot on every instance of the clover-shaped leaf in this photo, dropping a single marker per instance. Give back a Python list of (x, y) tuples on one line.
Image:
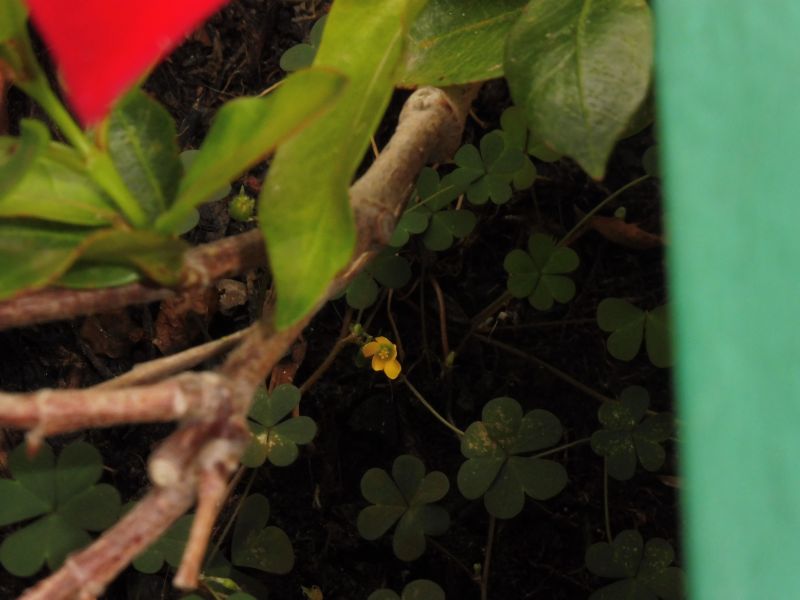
[(66, 495), (539, 273), (420, 589), (643, 569), (628, 324), (387, 269), (494, 468), (254, 545), (168, 548), (625, 435), (487, 174), (274, 438), (431, 216), (406, 498), (301, 56)]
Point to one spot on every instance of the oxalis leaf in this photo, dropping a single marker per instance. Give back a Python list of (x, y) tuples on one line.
[(486, 174), (580, 68), (406, 498), (643, 569), (458, 41), (420, 589), (245, 130), (257, 546), (627, 434), (629, 324), (387, 269), (301, 56), (304, 204), (495, 467), (66, 497), (274, 437), (540, 273)]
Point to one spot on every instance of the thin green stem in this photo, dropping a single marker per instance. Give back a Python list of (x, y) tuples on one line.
[(432, 410), (547, 367), (600, 206), (562, 447), (487, 559), (605, 501)]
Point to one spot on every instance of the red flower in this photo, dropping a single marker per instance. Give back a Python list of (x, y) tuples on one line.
[(103, 46)]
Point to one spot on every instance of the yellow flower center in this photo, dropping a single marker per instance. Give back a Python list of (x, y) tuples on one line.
[(385, 352)]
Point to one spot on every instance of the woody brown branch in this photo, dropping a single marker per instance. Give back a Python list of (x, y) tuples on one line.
[(208, 449)]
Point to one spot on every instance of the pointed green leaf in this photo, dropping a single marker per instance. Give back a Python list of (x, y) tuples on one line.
[(82, 276), (245, 130), (580, 68), (12, 19), (143, 144), (14, 166), (33, 255), (304, 204), (458, 41)]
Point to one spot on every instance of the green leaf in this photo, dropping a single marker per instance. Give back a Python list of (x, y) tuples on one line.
[(625, 439), (404, 498), (65, 493), (657, 337), (49, 540), (55, 187), (494, 468), (31, 144), (539, 273), (83, 276), (301, 56), (304, 204), (272, 437), (34, 254), (143, 144), (169, 547), (157, 256), (390, 270), (419, 589), (580, 68), (643, 569), (362, 292), (458, 41), (412, 221), (265, 548), (245, 130), (629, 324)]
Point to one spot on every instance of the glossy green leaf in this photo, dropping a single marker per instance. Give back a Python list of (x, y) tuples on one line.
[(32, 142), (580, 68), (90, 276), (405, 498), (34, 254), (143, 144), (245, 130), (256, 546), (458, 41), (159, 257), (304, 205), (55, 188)]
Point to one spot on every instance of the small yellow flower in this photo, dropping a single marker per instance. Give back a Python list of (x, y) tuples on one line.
[(384, 356)]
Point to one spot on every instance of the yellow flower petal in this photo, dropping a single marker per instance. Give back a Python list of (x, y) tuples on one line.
[(378, 363), (370, 349), (392, 369), (383, 341)]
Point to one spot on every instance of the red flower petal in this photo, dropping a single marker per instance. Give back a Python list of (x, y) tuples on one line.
[(103, 46)]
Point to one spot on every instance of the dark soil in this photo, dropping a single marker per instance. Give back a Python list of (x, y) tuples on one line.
[(364, 420)]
